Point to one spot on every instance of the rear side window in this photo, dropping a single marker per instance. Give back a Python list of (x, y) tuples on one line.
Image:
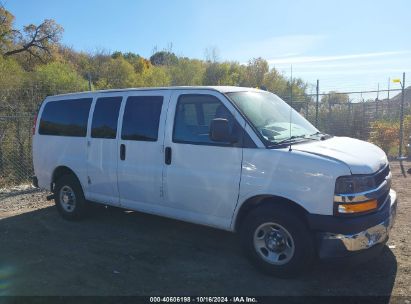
[(65, 117), (105, 117), (142, 118)]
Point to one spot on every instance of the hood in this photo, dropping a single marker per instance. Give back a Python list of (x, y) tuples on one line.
[(360, 156)]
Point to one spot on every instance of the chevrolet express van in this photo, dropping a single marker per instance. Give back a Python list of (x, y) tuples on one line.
[(232, 158)]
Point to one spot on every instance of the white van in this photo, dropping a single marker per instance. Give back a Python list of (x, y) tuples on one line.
[(233, 158)]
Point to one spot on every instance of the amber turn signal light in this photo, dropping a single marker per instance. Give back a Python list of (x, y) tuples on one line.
[(358, 207)]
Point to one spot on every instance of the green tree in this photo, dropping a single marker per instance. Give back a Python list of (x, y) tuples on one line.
[(12, 79), (225, 73), (7, 33), (57, 77), (139, 63), (187, 72), (333, 97), (11, 75), (276, 83), (216, 73), (116, 73), (163, 58), (255, 72), (96, 65), (153, 77), (79, 60)]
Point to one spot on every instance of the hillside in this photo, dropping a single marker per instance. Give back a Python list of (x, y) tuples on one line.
[(407, 99)]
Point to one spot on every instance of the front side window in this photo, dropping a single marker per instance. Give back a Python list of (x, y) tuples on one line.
[(142, 118), (193, 117), (65, 117), (270, 116), (105, 117)]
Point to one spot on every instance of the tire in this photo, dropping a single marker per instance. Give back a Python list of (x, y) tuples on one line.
[(277, 240), (69, 198)]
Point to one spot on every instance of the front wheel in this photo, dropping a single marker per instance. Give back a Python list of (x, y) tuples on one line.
[(277, 240)]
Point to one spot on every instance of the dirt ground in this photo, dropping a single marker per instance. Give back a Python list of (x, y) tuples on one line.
[(116, 252)]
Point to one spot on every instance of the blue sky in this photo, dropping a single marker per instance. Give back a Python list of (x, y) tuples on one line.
[(348, 45)]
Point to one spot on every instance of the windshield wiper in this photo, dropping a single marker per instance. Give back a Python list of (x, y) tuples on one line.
[(322, 135), (292, 138)]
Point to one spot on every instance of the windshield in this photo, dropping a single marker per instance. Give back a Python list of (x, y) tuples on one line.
[(270, 115)]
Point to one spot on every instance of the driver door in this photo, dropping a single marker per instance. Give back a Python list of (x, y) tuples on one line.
[(201, 177)]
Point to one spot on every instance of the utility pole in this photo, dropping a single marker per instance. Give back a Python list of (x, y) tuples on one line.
[(402, 116), (316, 102)]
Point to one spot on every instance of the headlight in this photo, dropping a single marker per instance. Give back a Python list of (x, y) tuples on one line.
[(348, 197), (354, 184)]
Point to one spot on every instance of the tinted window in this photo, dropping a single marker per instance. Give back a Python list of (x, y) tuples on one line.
[(141, 118), (105, 117), (194, 114), (65, 117)]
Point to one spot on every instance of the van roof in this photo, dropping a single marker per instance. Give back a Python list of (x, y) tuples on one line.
[(221, 89)]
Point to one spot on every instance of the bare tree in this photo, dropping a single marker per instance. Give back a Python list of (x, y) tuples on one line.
[(36, 40), (211, 54)]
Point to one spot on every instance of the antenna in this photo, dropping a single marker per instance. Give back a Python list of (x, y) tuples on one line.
[(291, 103)]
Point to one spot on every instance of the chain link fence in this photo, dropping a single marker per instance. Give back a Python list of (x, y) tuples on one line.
[(358, 115), (342, 114), (348, 113)]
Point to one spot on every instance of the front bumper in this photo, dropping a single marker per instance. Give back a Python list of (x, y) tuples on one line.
[(375, 230)]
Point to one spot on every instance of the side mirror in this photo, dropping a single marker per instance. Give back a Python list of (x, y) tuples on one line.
[(220, 131)]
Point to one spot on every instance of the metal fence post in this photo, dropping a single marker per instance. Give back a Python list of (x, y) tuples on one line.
[(364, 123), (350, 116), (89, 81), (409, 148), (316, 103), (401, 135), (329, 114), (2, 135)]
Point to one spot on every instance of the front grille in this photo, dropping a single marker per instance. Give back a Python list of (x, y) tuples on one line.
[(382, 198), (382, 175)]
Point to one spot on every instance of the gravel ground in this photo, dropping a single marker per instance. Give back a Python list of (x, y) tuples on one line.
[(117, 252)]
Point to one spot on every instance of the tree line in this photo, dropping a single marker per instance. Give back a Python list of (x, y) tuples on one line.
[(35, 57)]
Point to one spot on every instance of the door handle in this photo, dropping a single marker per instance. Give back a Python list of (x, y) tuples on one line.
[(167, 156), (122, 151)]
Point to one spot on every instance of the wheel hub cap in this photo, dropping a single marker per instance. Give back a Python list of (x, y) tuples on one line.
[(274, 243), (67, 199)]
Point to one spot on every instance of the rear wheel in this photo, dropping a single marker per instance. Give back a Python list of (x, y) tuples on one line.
[(69, 198), (277, 240)]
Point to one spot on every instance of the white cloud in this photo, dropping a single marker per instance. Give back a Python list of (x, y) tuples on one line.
[(347, 72), (287, 46), (309, 59)]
